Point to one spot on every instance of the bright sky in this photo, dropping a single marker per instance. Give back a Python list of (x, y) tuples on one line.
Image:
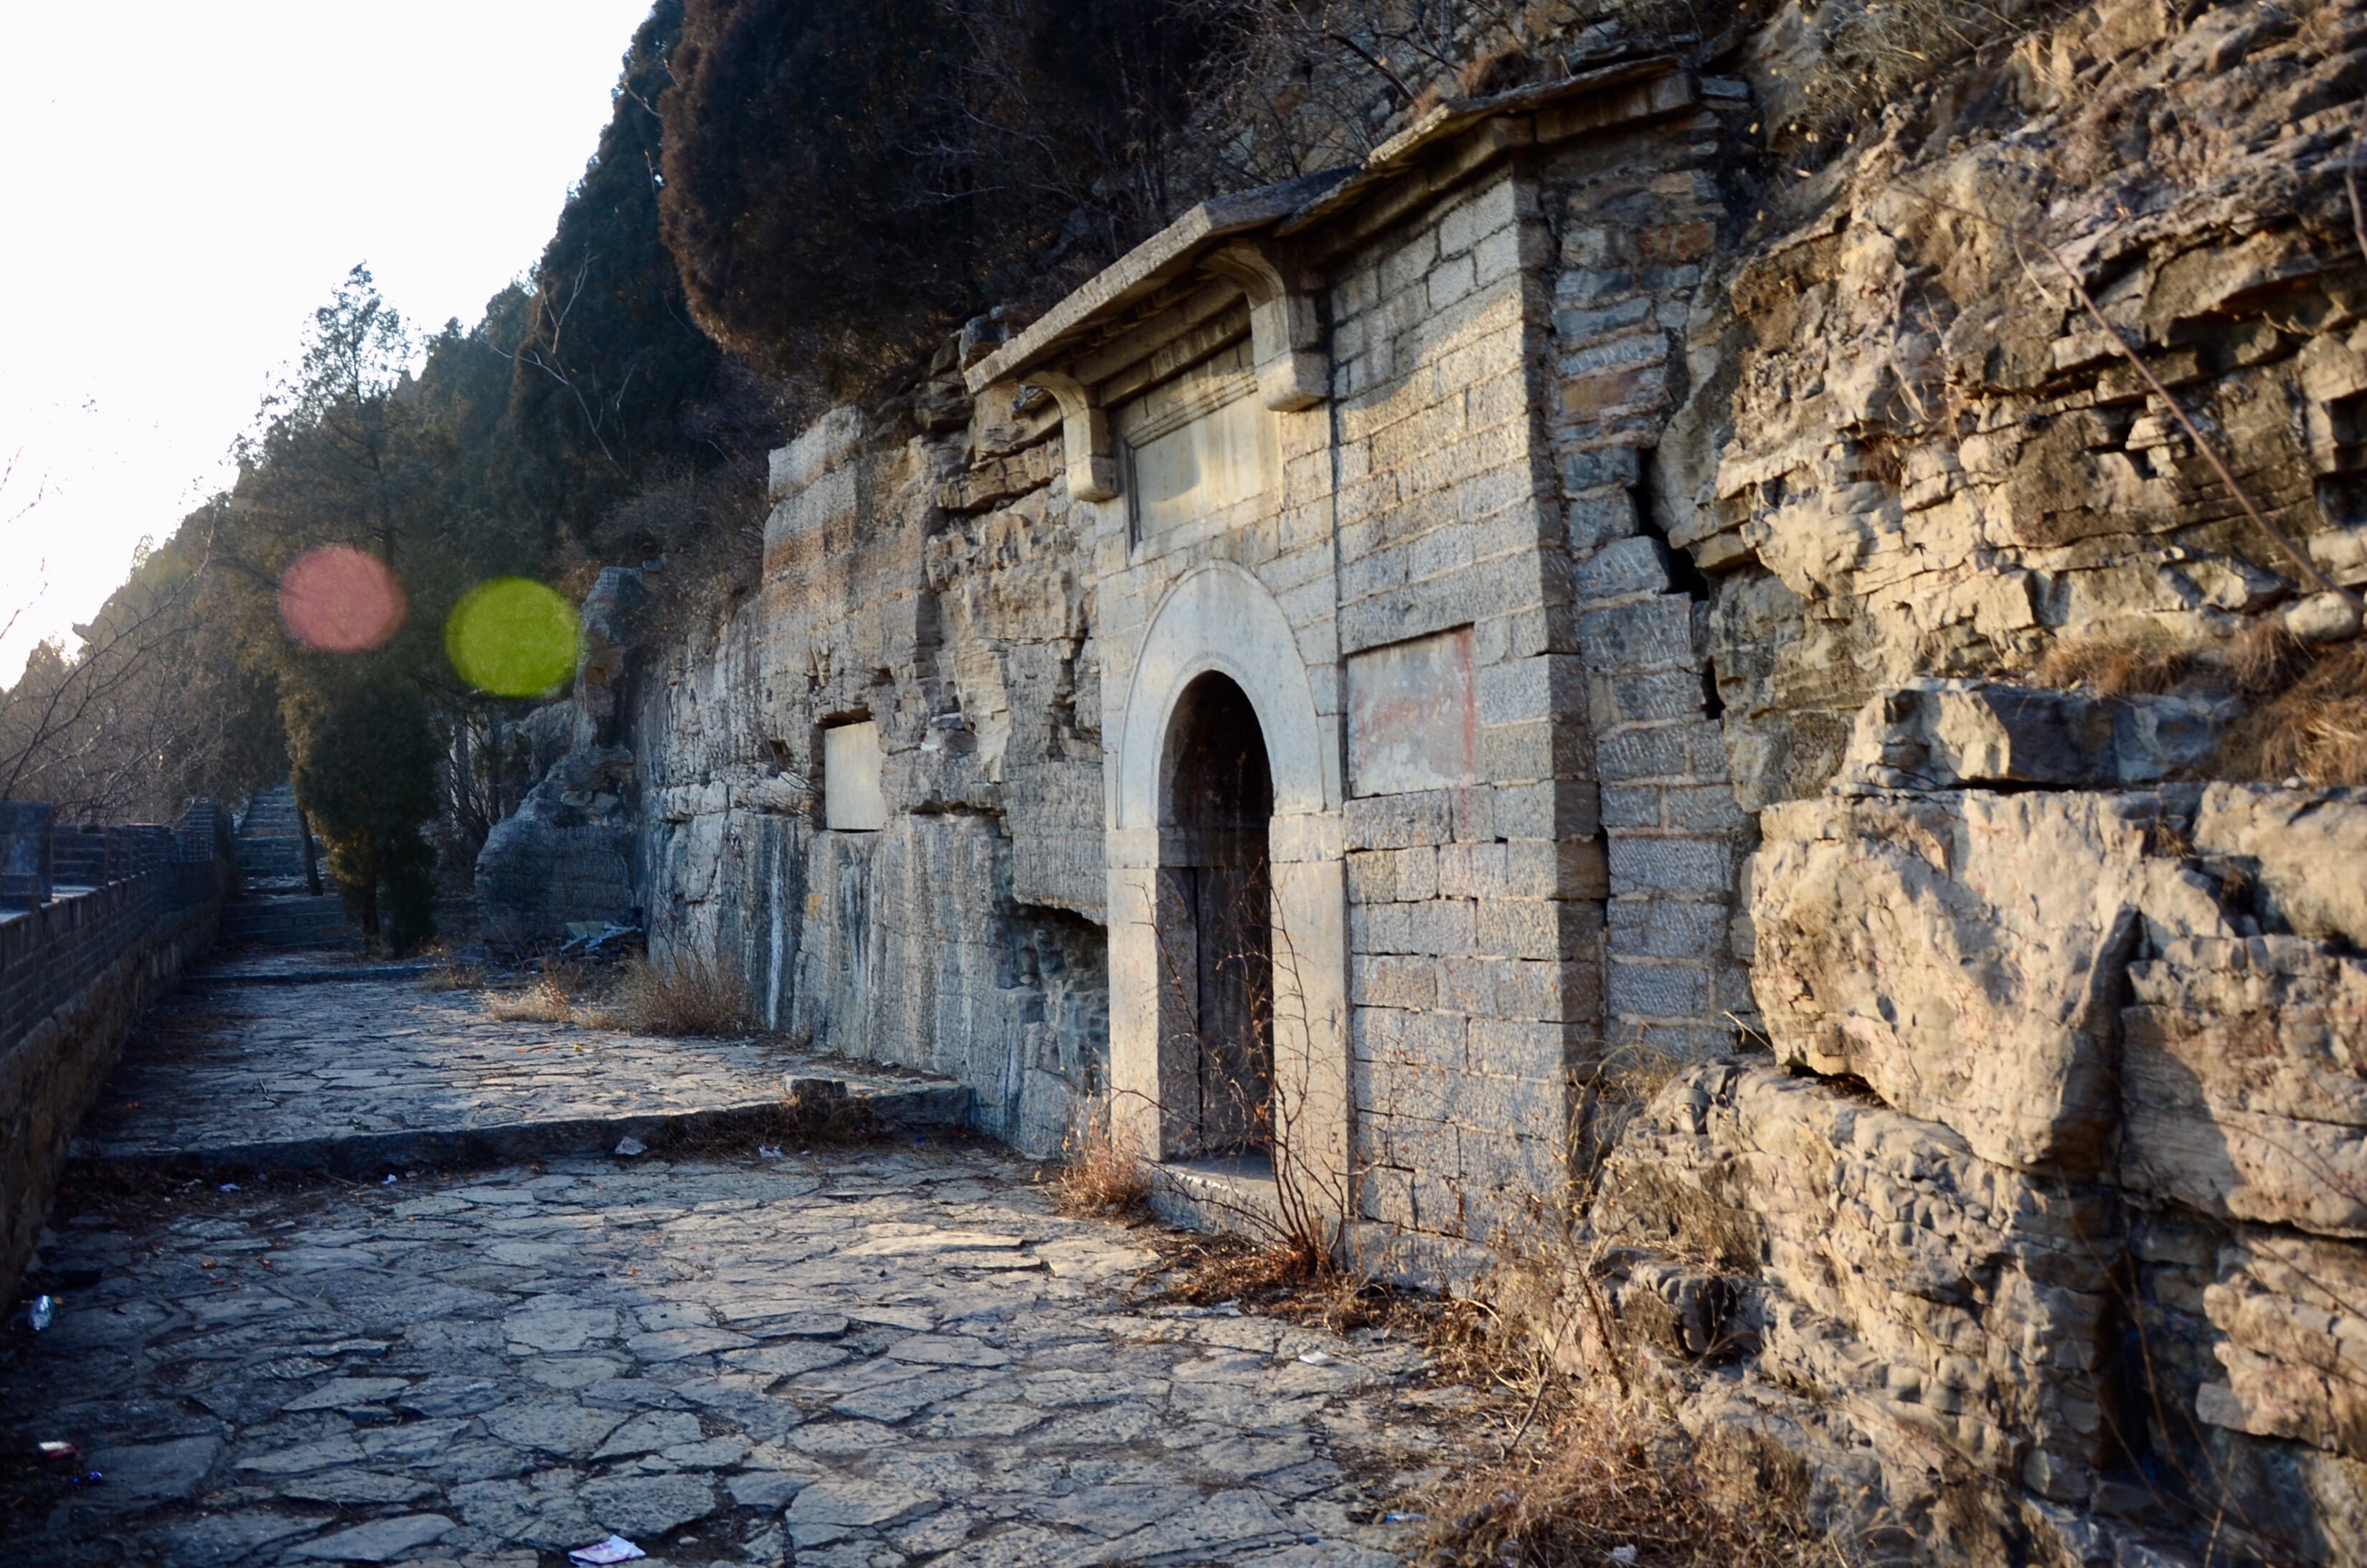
[(192, 180)]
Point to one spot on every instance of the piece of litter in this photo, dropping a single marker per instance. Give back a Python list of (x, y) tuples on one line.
[(629, 1147), (1318, 1357), (40, 1313), (1405, 1519), (54, 1451), (93, 1478), (230, 1187), (1623, 1554), (616, 1548), (389, 1179), (768, 1151)]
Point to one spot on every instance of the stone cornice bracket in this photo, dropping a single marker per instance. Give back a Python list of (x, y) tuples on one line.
[(1285, 324), (1084, 437)]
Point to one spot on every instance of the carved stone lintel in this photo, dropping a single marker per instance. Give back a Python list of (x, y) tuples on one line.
[(1286, 325), (1084, 437)]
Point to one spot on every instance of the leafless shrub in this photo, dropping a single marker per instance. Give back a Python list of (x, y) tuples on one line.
[(1101, 1172), (683, 992)]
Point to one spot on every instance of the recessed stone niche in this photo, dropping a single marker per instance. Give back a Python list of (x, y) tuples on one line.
[(1413, 717), (1198, 444), (852, 799)]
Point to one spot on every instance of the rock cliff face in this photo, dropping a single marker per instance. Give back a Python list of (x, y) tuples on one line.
[(2037, 1228), (1884, 716)]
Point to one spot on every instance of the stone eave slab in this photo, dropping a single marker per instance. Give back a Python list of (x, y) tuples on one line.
[(1397, 157), (1141, 270)]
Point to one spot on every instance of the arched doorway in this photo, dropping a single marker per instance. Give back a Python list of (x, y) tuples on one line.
[(1217, 810)]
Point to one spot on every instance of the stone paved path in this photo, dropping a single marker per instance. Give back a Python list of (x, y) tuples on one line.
[(248, 1067), (874, 1353)]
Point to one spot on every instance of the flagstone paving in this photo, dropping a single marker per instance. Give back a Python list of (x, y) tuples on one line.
[(360, 1067), (874, 1354)]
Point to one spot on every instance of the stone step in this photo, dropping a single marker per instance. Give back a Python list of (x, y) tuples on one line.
[(273, 856), (365, 1154), (287, 923)]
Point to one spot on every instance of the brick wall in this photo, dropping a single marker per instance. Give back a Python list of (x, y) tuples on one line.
[(74, 974), (1475, 913), (1634, 220)]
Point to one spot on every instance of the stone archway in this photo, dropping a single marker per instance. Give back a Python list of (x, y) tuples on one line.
[(1220, 659)]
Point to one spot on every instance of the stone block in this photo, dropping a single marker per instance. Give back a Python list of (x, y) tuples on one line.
[(2303, 850), (1654, 631), (1442, 926), (1372, 876), (1546, 811), (1470, 870), (1467, 985), (2245, 1089), (1555, 867), (1947, 735), (1597, 466), (1634, 697), (1656, 989), (1662, 863), (1638, 565), (1548, 991), (1381, 982), (1532, 1049), (1527, 928), (1395, 821), (1900, 1274), (1596, 520), (2291, 1316), (1656, 751), (1964, 953)]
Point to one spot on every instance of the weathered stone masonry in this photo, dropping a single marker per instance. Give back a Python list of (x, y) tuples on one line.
[(1617, 568)]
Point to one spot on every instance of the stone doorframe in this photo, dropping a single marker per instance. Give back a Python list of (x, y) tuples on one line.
[(1220, 618)]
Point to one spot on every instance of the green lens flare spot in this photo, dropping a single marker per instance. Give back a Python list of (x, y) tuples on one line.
[(512, 637)]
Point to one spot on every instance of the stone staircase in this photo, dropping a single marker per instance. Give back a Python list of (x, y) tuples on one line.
[(271, 839), (277, 909)]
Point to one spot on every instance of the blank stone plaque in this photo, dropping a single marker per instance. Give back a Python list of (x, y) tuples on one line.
[(851, 800), (1413, 720)]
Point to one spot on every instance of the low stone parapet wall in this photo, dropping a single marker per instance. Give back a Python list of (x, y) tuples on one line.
[(73, 975)]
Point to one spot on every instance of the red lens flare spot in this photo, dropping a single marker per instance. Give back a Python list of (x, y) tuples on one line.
[(340, 601)]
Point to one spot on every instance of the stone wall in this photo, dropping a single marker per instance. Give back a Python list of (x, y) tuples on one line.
[(74, 975), (1475, 904), (2038, 1225), (955, 937)]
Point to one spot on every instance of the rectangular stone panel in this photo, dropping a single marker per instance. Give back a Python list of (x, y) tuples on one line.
[(1198, 445), (853, 800), (1414, 716)]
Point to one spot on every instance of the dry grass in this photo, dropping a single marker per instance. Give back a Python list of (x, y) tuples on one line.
[(683, 993), (1102, 1170), (2308, 702), (2310, 721), (1611, 1473), (455, 977), (552, 999), (2115, 664)]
